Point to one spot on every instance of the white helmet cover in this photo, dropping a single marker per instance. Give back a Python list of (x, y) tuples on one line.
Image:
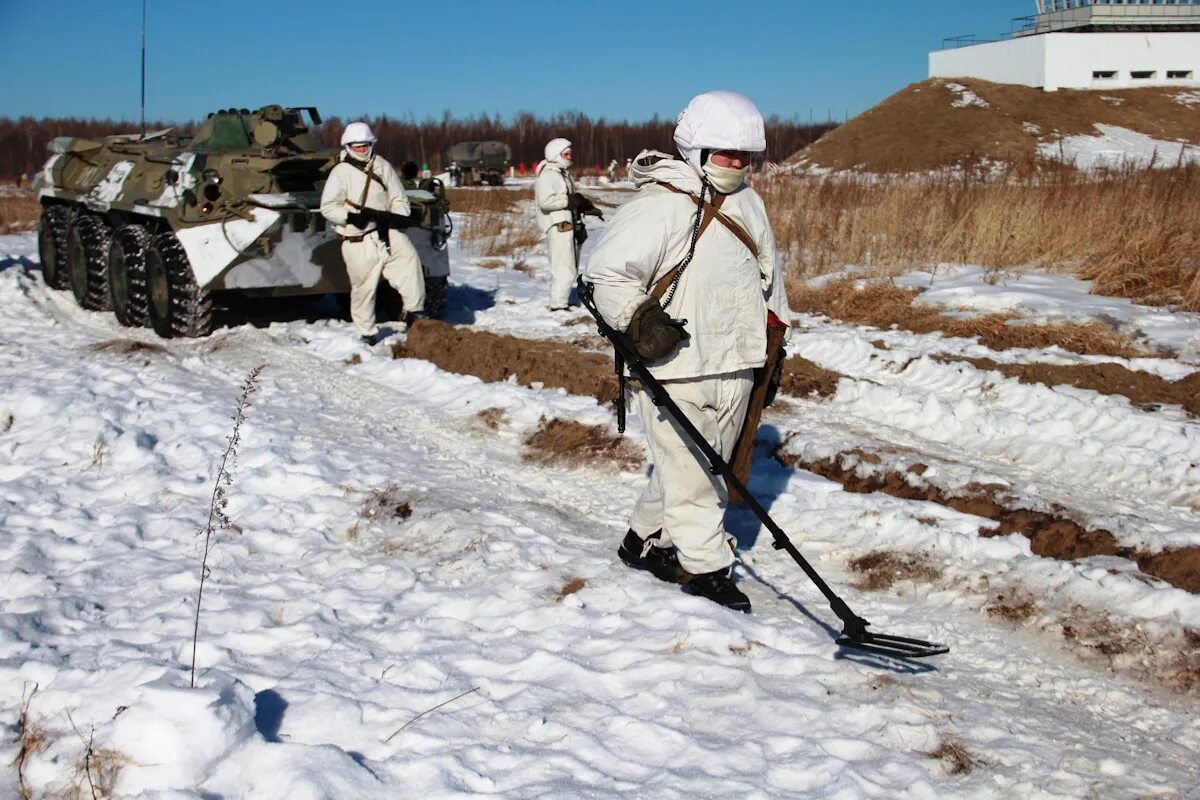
[(554, 149), (357, 132), (719, 120)]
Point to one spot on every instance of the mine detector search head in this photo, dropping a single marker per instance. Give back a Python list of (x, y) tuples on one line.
[(854, 631)]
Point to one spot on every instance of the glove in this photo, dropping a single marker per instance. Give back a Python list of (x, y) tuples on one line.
[(776, 378), (581, 206), (654, 334), (357, 218)]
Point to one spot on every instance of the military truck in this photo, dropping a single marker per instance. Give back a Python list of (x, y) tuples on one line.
[(479, 162), (158, 227)]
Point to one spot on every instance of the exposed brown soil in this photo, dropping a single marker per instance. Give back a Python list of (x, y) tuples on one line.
[(571, 587), (493, 358), (883, 569), (803, 378), (918, 129), (1142, 388), (493, 418), (570, 443), (1012, 606), (126, 347), (882, 305), (1049, 536)]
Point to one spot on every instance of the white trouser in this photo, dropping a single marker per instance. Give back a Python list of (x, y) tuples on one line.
[(561, 246), (683, 498), (366, 261)]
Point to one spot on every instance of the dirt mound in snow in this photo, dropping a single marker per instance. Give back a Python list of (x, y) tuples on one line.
[(570, 443), (932, 125), (1142, 388), (492, 358), (1050, 536)]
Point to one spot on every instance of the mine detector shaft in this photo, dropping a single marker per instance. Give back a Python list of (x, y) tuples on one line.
[(156, 226), (854, 628)]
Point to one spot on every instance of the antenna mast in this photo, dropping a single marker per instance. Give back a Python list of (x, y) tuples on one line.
[(143, 69)]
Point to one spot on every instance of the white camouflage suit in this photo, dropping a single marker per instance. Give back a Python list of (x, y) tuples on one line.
[(552, 191), (368, 259), (724, 294)]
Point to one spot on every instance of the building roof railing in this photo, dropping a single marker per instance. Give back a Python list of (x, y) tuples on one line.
[(1110, 15)]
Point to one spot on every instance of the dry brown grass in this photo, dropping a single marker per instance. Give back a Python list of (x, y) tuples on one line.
[(956, 759), (883, 569), (881, 304), (494, 224), (569, 443), (1133, 232), (488, 201), (19, 211), (918, 128)]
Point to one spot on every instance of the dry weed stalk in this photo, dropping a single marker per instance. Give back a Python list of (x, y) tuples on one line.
[(218, 520), (32, 738), (1131, 231)]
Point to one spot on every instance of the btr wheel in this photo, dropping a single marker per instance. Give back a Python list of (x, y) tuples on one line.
[(177, 307), (127, 275), (52, 245), (87, 262)]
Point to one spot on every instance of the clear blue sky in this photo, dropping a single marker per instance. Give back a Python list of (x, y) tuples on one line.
[(620, 59)]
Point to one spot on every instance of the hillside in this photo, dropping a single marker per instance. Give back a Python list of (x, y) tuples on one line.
[(939, 123)]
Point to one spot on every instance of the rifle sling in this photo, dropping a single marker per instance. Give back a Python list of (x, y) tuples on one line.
[(712, 210)]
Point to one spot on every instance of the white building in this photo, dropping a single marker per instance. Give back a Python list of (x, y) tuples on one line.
[(1086, 44)]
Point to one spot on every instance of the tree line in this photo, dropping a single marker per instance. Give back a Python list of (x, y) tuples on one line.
[(596, 142)]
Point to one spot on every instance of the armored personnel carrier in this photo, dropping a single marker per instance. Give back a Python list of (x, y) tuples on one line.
[(479, 162), (158, 227)]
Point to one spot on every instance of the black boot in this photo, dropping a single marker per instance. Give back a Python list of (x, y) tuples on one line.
[(661, 562), (718, 587)]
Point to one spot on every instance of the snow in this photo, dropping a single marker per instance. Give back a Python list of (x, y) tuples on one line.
[(334, 627), (1118, 148), (965, 97), (1043, 298)]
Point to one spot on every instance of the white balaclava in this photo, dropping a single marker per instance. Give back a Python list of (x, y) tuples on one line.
[(358, 132), (554, 151), (719, 121)]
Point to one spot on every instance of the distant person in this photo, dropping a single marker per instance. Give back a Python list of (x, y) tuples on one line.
[(694, 292), (408, 175), (361, 179), (455, 178), (552, 192)]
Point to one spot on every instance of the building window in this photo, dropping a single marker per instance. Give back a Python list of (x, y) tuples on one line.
[(1180, 74), (1142, 74), (1104, 74)]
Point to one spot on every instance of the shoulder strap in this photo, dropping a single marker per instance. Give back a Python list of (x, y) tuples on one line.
[(730, 225), (369, 169), (711, 212)]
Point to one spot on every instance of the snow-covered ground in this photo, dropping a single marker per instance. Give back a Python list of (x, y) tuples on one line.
[(404, 607), (1113, 147)]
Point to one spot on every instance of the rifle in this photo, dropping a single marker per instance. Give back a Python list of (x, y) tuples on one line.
[(854, 632), (383, 219), (580, 207)]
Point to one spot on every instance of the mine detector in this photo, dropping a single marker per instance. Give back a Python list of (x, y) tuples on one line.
[(156, 227)]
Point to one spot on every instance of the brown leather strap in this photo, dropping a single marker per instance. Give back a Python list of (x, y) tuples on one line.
[(730, 225), (370, 170), (711, 211)]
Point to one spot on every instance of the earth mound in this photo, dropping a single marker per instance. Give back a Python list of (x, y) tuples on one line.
[(968, 123)]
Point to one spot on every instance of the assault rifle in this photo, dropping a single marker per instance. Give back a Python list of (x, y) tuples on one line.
[(385, 220), (580, 207), (854, 632)]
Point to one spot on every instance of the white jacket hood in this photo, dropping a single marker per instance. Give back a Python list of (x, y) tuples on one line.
[(719, 120), (554, 150), (653, 166)]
